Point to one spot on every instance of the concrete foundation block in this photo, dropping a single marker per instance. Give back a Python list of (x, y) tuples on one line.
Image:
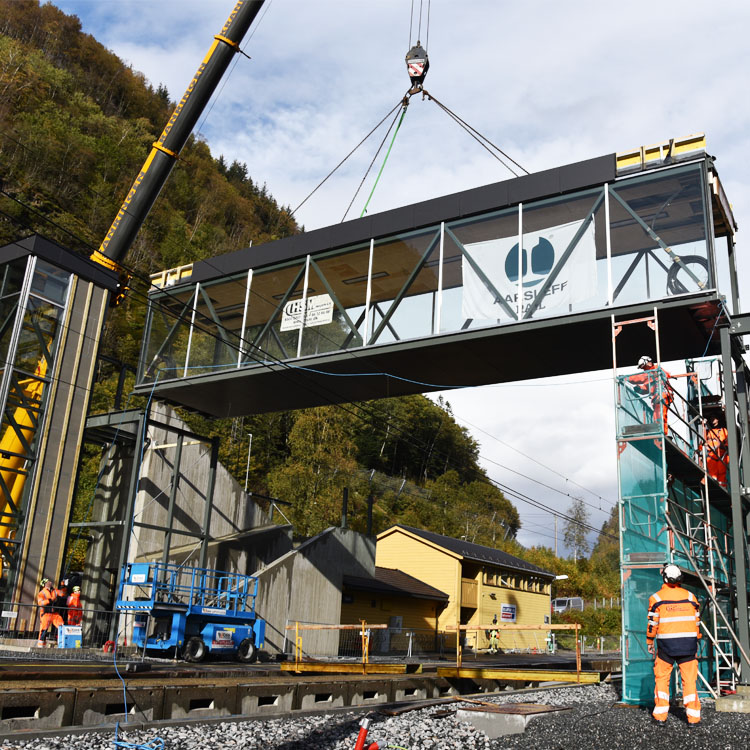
[(36, 709), (207, 701), (254, 700), (317, 696), (108, 706), (739, 704), (439, 687), (370, 692), (497, 723), (412, 689)]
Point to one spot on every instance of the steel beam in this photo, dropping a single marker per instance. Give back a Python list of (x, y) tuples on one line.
[(527, 675), (735, 488)]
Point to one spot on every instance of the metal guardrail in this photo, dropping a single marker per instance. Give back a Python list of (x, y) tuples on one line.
[(20, 625)]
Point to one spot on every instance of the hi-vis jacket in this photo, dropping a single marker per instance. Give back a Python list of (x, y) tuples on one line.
[(673, 618)]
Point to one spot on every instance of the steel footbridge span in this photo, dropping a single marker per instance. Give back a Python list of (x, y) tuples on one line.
[(437, 294)]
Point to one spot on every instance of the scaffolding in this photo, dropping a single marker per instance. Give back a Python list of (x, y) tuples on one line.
[(676, 506)]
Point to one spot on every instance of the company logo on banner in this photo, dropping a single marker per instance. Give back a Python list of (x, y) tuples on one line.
[(498, 259), (319, 312), (508, 612)]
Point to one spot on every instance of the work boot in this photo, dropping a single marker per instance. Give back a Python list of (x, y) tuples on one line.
[(40, 644)]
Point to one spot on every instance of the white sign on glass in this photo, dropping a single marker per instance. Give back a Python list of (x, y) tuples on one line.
[(319, 312)]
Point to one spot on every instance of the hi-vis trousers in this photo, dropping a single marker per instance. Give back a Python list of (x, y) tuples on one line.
[(689, 674)]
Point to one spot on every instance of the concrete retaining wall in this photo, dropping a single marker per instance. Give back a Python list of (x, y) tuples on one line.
[(306, 584)]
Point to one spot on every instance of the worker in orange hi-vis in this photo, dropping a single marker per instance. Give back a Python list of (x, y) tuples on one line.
[(717, 452), (673, 622), (49, 616), (650, 383), (75, 613)]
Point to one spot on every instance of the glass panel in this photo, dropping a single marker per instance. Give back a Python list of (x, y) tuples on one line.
[(50, 282), (404, 286), (562, 239), (168, 333), (11, 276), (473, 268), (663, 218), (8, 311), (20, 420), (38, 337), (272, 332), (337, 284), (218, 321)]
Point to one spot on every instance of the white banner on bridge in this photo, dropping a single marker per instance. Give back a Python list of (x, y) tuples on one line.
[(498, 259), (319, 312)]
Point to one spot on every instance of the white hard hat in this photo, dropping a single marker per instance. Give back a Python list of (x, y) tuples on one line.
[(671, 573), (644, 361)]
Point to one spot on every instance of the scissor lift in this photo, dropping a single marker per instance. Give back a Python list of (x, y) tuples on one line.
[(191, 611)]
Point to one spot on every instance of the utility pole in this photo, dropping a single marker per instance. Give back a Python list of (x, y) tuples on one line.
[(555, 536), (249, 448), (345, 508)]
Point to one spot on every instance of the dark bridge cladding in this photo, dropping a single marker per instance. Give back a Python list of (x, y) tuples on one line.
[(426, 297)]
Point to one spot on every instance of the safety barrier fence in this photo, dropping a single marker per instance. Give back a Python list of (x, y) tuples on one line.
[(503, 627), (20, 626), (611, 602), (366, 642)]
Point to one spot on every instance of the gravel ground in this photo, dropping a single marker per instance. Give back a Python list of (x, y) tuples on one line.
[(594, 722)]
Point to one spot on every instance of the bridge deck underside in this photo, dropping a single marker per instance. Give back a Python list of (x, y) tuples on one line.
[(560, 346)]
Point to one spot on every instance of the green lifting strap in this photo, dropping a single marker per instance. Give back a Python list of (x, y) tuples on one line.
[(382, 167)]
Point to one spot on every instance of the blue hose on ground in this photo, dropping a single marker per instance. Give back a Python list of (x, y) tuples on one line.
[(155, 744)]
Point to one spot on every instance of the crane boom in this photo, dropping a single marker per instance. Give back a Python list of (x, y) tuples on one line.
[(165, 151)]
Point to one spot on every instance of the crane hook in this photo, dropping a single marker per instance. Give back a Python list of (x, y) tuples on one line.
[(417, 65)]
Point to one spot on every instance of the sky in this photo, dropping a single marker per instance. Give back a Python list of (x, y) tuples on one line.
[(550, 83)]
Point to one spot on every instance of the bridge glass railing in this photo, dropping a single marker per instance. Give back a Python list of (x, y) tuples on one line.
[(642, 238)]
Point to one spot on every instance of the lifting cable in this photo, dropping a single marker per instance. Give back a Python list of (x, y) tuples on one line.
[(404, 105), (482, 140), (388, 153), (330, 174)]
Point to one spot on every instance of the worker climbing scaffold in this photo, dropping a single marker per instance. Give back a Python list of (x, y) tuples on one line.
[(717, 452), (653, 382)]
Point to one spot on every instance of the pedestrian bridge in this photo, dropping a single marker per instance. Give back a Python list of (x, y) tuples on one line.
[(437, 295)]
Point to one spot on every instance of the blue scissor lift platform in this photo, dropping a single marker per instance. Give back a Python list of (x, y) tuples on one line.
[(191, 611)]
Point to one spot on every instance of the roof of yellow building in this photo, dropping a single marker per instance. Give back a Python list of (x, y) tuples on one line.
[(396, 582), (471, 551)]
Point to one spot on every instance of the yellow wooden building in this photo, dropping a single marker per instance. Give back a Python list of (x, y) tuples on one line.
[(483, 584), (410, 607)]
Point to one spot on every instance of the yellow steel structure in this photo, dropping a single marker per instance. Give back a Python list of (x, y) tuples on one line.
[(12, 462), (527, 675), (661, 152), (334, 668)]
